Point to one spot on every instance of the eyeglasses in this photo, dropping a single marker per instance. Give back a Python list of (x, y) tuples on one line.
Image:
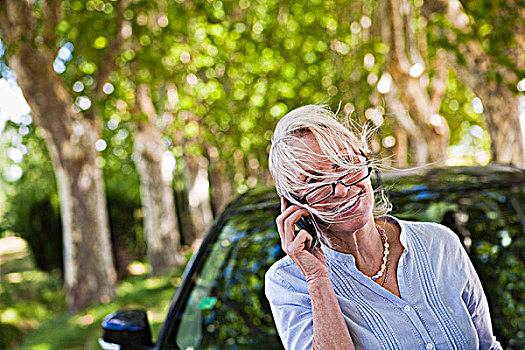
[(324, 191)]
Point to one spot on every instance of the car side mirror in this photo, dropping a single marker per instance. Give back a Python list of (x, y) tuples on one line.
[(127, 329)]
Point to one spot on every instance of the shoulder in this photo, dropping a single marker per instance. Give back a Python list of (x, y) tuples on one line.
[(285, 273), (279, 267), (431, 233), (439, 242), (284, 284)]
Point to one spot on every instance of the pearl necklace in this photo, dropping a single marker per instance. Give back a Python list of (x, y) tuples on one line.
[(386, 252)]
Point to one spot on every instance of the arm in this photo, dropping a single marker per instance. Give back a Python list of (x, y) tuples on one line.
[(472, 294), (305, 313), (330, 330), (478, 308), (322, 320)]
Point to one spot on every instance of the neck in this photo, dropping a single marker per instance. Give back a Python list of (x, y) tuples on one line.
[(364, 243)]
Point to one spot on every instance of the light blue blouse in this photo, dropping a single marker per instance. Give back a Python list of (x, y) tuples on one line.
[(442, 304)]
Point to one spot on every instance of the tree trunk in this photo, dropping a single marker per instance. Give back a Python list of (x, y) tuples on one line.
[(221, 187), (501, 110), (400, 148), (160, 221), (500, 103), (184, 214), (196, 174), (88, 262), (414, 137), (406, 66)]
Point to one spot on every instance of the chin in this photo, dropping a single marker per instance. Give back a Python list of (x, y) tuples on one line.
[(356, 218), (352, 222)]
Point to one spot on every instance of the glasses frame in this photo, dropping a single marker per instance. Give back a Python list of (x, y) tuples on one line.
[(303, 200)]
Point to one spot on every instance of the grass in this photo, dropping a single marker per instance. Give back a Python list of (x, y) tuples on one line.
[(33, 313)]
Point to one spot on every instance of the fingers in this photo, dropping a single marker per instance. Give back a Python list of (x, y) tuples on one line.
[(286, 222), (309, 241), (284, 204), (300, 252), (301, 242), (292, 241)]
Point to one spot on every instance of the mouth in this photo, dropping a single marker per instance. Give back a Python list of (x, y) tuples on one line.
[(352, 204)]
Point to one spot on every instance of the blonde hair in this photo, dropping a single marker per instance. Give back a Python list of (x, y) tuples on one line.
[(341, 144)]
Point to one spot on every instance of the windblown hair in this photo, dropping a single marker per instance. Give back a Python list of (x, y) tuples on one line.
[(341, 143)]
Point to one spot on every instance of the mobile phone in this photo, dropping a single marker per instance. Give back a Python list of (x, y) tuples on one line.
[(306, 223)]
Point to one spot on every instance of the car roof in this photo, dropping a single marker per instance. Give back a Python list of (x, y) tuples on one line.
[(395, 182)]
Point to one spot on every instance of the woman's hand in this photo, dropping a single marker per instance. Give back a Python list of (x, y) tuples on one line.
[(311, 262), (329, 327)]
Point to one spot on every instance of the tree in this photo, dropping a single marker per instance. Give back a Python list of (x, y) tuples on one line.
[(485, 42), (160, 221), (219, 75), (415, 106), (70, 137)]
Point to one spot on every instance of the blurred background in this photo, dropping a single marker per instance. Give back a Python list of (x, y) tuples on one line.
[(126, 126)]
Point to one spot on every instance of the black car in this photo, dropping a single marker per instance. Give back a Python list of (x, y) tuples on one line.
[(221, 302)]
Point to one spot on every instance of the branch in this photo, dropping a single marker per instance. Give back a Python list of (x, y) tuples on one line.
[(107, 63), (479, 64), (144, 102), (456, 15), (439, 82), (16, 21), (52, 10), (400, 112), (398, 37), (412, 40)]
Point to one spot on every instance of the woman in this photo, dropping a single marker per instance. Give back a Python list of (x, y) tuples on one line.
[(374, 281)]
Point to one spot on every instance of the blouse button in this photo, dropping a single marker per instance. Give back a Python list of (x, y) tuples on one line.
[(407, 309), (430, 346)]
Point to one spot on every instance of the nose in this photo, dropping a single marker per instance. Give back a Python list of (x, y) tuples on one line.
[(340, 190)]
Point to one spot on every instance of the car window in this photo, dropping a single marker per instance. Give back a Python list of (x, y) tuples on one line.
[(227, 307), (492, 227)]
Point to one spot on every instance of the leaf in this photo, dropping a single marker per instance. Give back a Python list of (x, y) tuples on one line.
[(63, 27)]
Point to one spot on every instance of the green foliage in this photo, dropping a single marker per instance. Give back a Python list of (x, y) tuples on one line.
[(238, 68), (468, 130), (497, 26), (28, 296), (221, 73), (82, 331), (32, 305), (226, 72), (32, 207)]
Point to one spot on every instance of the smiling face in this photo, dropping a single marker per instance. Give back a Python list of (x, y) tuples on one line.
[(311, 146), (331, 183)]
